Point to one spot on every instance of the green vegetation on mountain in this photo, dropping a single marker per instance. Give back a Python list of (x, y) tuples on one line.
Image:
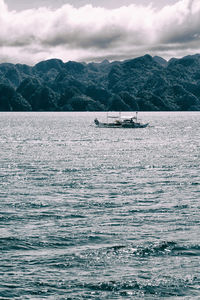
[(145, 84)]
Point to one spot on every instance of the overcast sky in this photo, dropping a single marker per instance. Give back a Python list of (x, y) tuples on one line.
[(84, 30), (24, 4)]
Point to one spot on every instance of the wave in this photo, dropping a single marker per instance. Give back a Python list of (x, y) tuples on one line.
[(158, 249), (168, 287)]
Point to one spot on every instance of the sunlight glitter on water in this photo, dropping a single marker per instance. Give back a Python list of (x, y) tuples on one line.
[(93, 213)]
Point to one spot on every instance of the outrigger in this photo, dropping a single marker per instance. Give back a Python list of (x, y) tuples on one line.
[(121, 122)]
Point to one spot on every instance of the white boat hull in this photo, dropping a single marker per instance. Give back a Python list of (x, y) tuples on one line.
[(119, 124)]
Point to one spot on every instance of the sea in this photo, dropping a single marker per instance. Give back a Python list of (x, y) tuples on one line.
[(99, 213)]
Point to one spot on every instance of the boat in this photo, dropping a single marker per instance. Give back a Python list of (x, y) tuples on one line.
[(121, 122)]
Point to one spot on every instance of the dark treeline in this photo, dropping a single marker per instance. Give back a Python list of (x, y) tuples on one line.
[(145, 84)]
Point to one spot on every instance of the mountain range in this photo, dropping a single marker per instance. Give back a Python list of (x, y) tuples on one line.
[(144, 83)]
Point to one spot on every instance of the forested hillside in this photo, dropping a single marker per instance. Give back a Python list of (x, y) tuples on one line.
[(145, 84)]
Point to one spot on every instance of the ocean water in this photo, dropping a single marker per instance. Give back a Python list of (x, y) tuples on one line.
[(99, 213)]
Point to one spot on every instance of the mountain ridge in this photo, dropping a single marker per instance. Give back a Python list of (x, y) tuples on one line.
[(144, 83)]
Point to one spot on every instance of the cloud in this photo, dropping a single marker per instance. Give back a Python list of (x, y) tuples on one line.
[(95, 33)]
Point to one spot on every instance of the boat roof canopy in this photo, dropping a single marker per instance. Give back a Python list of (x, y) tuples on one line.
[(113, 117), (122, 117), (128, 117)]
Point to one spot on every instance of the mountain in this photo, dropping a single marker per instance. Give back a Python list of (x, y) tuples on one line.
[(160, 61), (10, 100), (144, 83)]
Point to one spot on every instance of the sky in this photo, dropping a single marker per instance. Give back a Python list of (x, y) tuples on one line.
[(95, 30)]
